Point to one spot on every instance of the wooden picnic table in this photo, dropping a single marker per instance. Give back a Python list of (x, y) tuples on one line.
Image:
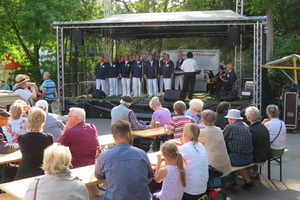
[(7, 97), (107, 139), (17, 189), (150, 133)]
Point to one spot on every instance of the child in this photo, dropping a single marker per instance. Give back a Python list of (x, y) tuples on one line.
[(172, 175)]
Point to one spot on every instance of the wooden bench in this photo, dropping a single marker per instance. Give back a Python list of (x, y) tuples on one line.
[(6, 196)]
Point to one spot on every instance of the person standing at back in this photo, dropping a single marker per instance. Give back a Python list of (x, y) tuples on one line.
[(127, 169), (179, 79), (81, 138), (112, 77), (20, 88), (136, 75), (125, 69), (167, 72), (189, 67), (100, 72), (49, 92), (150, 75)]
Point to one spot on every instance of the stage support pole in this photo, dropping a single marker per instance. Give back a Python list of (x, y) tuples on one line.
[(60, 67), (295, 70), (238, 52)]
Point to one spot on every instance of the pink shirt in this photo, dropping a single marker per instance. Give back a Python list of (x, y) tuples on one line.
[(162, 115), (82, 139)]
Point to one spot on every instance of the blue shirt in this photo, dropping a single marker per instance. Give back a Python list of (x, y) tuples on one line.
[(50, 87), (125, 69), (136, 69), (100, 71), (127, 171)]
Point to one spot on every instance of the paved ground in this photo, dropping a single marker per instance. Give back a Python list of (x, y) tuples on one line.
[(264, 189)]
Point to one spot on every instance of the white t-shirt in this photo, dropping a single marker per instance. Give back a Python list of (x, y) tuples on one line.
[(24, 94), (196, 167), (274, 126), (189, 65)]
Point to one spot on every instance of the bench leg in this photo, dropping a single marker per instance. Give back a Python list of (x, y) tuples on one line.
[(280, 165), (224, 185)]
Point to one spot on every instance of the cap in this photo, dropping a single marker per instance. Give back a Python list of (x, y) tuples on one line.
[(4, 113), (127, 99), (42, 104)]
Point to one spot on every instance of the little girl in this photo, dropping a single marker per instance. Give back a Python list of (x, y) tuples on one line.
[(172, 175)]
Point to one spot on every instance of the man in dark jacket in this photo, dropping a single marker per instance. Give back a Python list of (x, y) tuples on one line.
[(100, 72), (260, 139), (167, 72), (136, 75), (5, 148), (150, 75), (111, 74), (125, 69)]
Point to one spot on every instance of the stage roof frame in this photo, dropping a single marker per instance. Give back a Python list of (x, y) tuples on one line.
[(172, 24)]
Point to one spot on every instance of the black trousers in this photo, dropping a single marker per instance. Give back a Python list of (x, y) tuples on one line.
[(188, 83)]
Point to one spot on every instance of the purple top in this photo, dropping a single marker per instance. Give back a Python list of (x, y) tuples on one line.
[(162, 115)]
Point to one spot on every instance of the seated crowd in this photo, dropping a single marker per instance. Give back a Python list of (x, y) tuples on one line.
[(208, 140)]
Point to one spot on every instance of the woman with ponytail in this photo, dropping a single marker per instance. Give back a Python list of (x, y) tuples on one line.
[(196, 163), (172, 175)]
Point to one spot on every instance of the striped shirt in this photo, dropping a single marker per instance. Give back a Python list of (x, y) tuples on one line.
[(177, 123), (50, 87)]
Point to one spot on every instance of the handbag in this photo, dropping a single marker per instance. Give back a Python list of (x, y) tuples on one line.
[(35, 190)]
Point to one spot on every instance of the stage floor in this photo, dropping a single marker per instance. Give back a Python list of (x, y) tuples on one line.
[(101, 108)]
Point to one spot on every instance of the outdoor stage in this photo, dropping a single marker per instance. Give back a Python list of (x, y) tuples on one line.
[(101, 108)]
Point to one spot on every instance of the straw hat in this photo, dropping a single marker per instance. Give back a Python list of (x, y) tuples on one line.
[(234, 114), (21, 78)]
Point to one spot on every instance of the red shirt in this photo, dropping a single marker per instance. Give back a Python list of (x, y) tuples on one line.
[(82, 139)]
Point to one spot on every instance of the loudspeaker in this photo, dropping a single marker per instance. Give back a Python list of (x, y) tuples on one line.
[(172, 95), (228, 95), (99, 94), (234, 36), (290, 110), (78, 38)]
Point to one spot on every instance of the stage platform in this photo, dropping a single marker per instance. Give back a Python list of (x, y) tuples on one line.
[(101, 108)]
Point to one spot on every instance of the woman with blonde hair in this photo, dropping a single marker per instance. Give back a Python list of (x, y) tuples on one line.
[(57, 181), (196, 163), (172, 175), (213, 140), (33, 144), (17, 125)]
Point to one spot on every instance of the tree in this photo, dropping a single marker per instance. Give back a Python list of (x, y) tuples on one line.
[(27, 25)]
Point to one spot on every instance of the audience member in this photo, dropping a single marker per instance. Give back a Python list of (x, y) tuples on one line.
[(20, 88), (222, 111), (127, 169), (172, 175), (17, 125), (5, 147), (49, 92), (179, 120), (277, 131), (53, 124), (162, 116), (122, 112), (260, 139), (196, 163), (58, 182), (33, 144), (213, 140), (26, 107), (4, 86), (81, 138), (238, 140), (196, 107)]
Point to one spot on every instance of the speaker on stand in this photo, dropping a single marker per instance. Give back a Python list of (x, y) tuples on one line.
[(78, 37), (234, 35)]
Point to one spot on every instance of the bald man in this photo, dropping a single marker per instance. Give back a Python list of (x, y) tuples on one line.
[(230, 78), (49, 92)]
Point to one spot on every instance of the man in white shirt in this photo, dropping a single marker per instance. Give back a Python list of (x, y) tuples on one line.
[(189, 67)]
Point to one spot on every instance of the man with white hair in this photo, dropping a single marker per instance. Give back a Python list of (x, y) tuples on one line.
[(122, 112), (49, 92), (53, 124), (238, 140), (81, 138), (196, 106)]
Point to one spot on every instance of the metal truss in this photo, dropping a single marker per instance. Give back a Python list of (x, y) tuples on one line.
[(257, 63), (60, 67), (239, 7), (238, 52), (107, 8)]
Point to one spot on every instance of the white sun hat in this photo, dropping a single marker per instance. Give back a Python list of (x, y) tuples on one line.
[(234, 114)]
